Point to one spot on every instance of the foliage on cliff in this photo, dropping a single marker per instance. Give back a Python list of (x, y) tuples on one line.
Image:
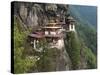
[(72, 45), (78, 51), (21, 65)]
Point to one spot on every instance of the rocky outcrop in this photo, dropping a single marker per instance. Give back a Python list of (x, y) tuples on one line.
[(34, 14)]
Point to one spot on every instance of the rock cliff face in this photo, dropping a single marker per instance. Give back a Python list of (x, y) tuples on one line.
[(35, 14)]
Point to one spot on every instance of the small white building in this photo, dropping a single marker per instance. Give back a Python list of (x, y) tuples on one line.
[(70, 24)]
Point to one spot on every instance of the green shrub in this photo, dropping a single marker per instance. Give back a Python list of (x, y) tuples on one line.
[(73, 48), (21, 65), (90, 58)]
